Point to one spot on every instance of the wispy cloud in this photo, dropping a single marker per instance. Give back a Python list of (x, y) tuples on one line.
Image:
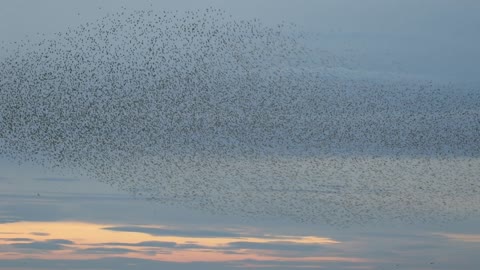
[(17, 239), (106, 251), (53, 244), (8, 219), (469, 238), (275, 246), (40, 233), (175, 232), (145, 244)]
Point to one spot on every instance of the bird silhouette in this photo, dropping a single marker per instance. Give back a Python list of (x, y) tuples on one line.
[(237, 117)]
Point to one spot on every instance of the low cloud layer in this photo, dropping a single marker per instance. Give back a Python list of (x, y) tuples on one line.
[(53, 244), (176, 232), (25, 242)]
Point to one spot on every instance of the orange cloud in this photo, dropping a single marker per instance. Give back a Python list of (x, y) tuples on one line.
[(94, 241)]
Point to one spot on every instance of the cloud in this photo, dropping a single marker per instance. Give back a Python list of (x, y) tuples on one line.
[(276, 246), (18, 239), (144, 244), (230, 248), (38, 246), (33, 208), (468, 238), (8, 219), (40, 233), (56, 179), (61, 241), (231, 252), (106, 251), (158, 244), (53, 244), (174, 232), (191, 246)]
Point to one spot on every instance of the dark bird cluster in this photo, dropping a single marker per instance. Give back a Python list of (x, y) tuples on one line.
[(202, 110)]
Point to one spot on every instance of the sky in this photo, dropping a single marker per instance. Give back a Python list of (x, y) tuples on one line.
[(435, 38), (53, 219)]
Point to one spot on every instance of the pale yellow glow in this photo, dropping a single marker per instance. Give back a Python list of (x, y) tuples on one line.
[(93, 235)]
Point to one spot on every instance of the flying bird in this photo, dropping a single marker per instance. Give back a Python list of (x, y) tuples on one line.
[(236, 117)]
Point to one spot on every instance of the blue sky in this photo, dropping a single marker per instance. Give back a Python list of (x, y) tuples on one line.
[(50, 219)]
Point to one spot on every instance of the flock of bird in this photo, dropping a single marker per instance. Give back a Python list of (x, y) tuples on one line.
[(202, 110)]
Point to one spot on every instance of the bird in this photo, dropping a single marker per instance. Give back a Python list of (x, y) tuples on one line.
[(238, 117)]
